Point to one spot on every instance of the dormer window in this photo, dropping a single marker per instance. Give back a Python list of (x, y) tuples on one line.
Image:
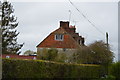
[(59, 37)]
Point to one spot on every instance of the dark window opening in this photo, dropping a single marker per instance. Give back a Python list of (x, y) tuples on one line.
[(79, 41), (59, 37), (64, 49)]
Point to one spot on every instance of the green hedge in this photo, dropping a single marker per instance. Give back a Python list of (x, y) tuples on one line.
[(15, 68), (114, 70)]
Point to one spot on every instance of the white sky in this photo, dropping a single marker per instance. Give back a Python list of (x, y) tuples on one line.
[(63, 0), (38, 19)]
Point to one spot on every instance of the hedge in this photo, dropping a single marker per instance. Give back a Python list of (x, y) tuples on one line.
[(16, 68), (114, 70)]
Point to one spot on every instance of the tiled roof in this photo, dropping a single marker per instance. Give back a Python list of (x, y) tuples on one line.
[(50, 42)]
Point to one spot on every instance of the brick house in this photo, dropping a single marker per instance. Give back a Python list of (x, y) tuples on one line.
[(64, 39)]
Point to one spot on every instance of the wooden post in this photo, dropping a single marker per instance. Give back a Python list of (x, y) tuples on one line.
[(107, 48), (69, 15), (107, 38)]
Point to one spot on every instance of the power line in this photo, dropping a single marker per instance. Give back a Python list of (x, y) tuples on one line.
[(86, 18)]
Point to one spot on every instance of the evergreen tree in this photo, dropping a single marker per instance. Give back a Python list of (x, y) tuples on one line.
[(9, 32)]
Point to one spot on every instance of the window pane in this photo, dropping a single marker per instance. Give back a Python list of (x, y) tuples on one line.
[(59, 37)]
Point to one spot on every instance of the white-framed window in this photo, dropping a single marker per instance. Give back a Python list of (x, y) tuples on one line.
[(59, 37)]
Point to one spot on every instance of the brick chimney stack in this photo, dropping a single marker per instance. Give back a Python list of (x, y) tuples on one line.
[(72, 28), (64, 24)]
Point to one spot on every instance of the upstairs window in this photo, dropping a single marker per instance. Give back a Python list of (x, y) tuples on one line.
[(59, 37)]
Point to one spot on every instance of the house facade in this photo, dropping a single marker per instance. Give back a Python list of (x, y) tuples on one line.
[(64, 39)]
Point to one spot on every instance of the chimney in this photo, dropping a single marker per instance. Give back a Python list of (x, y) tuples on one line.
[(72, 28), (64, 24)]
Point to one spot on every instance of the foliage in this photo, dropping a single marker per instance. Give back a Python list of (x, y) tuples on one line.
[(52, 53), (61, 57), (29, 52), (114, 70), (47, 69), (96, 53), (47, 54), (42, 54), (109, 77), (82, 55), (101, 53), (9, 32)]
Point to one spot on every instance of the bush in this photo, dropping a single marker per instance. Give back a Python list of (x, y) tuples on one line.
[(47, 54), (114, 70), (61, 57), (101, 53), (15, 68), (96, 53), (81, 56), (51, 55)]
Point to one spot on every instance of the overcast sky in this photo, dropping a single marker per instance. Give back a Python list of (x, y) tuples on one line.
[(38, 19)]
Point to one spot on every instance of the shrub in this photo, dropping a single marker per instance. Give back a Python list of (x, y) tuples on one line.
[(101, 53), (82, 55), (47, 54), (15, 68), (42, 54), (52, 54), (61, 57), (114, 70), (96, 53)]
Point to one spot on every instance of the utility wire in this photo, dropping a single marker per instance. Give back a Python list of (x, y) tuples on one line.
[(86, 18)]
